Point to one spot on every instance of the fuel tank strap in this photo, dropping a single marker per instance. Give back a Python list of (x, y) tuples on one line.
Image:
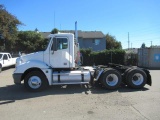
[(82, 76), (59, 77)]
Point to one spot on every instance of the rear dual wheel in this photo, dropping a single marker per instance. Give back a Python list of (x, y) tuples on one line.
[(111, 79), (136, 78)]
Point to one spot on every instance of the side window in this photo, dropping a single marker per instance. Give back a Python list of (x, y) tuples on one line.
[(1, 56), (96, 41), (9, 55), (62, 43), (5, 57), (53, 44)]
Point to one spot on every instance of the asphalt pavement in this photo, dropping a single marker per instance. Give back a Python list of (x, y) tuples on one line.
[(77, 102)]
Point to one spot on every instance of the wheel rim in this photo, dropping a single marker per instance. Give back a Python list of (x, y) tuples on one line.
[(34, 82), (112, 79), (137, 79)]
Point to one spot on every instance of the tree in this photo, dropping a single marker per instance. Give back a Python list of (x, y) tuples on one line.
[(30, 41), (112, 43), (143, 45), (54, 31), (8, 29)]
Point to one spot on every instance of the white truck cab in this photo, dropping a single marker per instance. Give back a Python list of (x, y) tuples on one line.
[(57, 64)]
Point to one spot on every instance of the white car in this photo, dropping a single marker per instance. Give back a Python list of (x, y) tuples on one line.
[(6, 60)]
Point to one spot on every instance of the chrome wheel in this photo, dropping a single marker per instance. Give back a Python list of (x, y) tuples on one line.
[(137, 79), (112, 79), (34, 82)]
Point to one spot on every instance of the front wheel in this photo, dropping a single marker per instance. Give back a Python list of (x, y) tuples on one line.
[(111, 79), (35, 81)]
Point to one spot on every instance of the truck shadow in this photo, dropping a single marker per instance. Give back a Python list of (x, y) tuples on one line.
[(11, 93)]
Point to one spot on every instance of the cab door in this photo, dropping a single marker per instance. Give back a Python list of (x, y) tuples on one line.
[(10, 62), (60, 53), (5, 60)]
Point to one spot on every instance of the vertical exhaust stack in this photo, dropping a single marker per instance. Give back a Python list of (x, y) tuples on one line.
[(76, 32), (77, 51)]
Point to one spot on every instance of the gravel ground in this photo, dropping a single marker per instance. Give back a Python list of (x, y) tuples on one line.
[(76, 102)]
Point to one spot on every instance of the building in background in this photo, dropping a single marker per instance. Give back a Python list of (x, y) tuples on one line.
[(87, 39), (149, 58)]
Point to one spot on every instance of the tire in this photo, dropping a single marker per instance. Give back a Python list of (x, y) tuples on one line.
[(35, 81), (126, 72), (111, 79), (136, 78), (125, 75)]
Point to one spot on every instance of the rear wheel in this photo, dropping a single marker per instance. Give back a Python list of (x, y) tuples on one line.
[(136, 78), (111, 79), (126, 73), (35, 81)]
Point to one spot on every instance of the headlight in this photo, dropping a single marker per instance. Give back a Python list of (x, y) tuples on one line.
[(19, 61)]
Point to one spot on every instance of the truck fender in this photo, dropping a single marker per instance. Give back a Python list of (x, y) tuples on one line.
[(35, 65), (31, 64), (100, 73), (149, 79)]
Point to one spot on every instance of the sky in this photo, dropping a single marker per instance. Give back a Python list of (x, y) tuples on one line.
[(136, 21)]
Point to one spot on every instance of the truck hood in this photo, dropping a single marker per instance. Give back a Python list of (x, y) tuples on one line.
[(32, 56)]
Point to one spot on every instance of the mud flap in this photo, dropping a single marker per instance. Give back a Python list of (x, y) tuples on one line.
[(149, 79)]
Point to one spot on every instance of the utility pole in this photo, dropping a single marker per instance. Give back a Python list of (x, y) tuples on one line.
[(128, 41)]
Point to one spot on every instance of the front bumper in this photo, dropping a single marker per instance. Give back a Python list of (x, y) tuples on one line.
[(17, 78)]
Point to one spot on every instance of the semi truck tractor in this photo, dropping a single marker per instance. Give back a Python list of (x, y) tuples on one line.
[(59, 65)]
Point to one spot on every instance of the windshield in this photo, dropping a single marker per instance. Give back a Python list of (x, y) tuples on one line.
[(44, 44), (47, 42), (1, 56)]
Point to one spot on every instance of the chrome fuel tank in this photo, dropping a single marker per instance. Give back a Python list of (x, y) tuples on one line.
[(71, 77)]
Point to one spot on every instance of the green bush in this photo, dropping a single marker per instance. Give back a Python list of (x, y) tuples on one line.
[(102, 57)]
